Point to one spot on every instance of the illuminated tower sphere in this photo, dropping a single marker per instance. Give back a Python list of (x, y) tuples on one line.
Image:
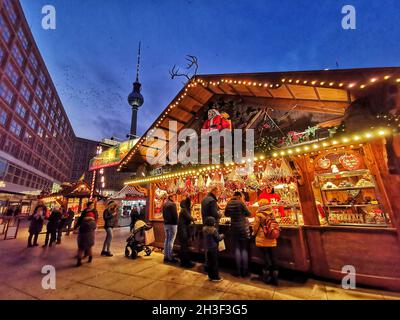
[(135, 98)]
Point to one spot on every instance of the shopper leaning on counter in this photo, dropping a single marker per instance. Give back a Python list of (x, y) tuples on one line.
[(265, 244), (209, 205), (238, 212)]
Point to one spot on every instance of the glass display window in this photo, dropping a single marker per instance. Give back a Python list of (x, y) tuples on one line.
[(346, 191)]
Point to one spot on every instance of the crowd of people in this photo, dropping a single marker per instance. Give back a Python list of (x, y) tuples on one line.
[(265, 232), (58, 220)]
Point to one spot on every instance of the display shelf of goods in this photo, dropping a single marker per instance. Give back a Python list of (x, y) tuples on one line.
[(350, 198)]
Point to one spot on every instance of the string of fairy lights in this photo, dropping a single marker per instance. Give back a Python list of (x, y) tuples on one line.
[(311, 148), (197, 81)]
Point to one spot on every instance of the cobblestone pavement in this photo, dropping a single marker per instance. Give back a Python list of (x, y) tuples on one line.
[(144, 278)]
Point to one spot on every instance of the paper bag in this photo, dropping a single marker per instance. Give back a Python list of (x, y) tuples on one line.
[(221, 245), (149, 237)]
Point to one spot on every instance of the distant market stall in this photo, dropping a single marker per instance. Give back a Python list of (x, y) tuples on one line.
[(327, 156), (74, 196), (128, 198)]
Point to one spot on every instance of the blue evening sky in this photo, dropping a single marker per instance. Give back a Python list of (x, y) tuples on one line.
[(91, 56)]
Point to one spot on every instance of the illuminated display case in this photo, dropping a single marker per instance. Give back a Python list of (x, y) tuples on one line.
[(349, 197)]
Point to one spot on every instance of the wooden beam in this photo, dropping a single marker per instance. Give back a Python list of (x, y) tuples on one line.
[(194, 99), (251, 91), (185, 109), (290, 91), (219, 87), (336, 108), (167, 129), (234, 90), (150, 147), (175, 119)]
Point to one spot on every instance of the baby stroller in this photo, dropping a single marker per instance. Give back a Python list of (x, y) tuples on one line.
[(136, 241)]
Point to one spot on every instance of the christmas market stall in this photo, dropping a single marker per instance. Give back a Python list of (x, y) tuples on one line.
[(75, 196), (129, 198), (326, 155)]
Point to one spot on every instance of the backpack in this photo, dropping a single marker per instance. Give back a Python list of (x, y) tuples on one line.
[(271, 228)]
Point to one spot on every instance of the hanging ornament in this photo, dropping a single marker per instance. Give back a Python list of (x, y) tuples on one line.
[(201, 185), (324, 163), (180, 186), (350, 161), (252, 182)]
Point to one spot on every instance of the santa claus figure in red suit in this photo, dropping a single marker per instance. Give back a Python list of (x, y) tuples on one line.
[(217, 121)]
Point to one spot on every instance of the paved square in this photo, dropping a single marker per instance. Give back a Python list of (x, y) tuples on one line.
[(119, 278)]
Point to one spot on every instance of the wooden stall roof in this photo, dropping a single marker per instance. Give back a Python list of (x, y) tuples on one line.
[(78, 189), (322, 91)]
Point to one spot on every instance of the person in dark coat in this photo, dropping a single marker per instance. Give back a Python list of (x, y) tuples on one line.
[(52, 226), (10, 212), (211, 243), (109, 216), (70, 220), (134, 217), (238, 212), (61, 225), (184, 221), (209, 206), (87, 224), (170, 215), (36, 224)]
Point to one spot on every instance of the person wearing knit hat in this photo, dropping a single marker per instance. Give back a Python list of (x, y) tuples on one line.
[(266, 245)]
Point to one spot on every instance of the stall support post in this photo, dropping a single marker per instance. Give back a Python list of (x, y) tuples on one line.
[(312, 228), (306, 193), (388, 184), (150, 201)]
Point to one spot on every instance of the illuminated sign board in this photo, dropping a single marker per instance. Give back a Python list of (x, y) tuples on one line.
[(112, 156)]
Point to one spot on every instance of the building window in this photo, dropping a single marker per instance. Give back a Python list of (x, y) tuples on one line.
[(11, 73), (35, 106), (46, 105), (49, 126), (5, 32), (21, 111), (10, 10), (6, 93), (3, 117), (15, 128), (21, 36), (32, 122), (39, 92), (29, 76), (28, 138), (57, 123), (17, 55), (33, 61), (25, 92), (40, 132), (1, 54), (43, 118), (52, 114), (48, 92), (42, 78)]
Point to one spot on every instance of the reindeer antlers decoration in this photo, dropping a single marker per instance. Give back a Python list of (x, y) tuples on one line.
[(192, 61)]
